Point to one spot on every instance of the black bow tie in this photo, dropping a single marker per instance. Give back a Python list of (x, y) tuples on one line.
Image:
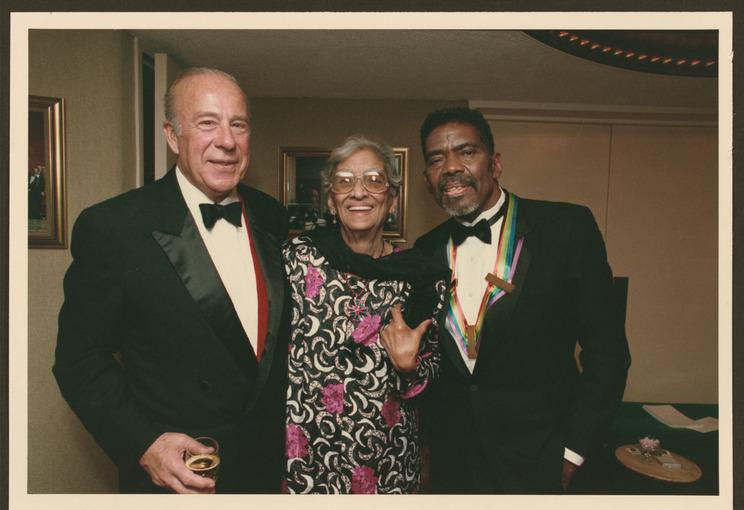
[(213, 212), (481, 230)]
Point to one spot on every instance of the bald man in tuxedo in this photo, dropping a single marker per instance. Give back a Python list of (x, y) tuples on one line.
[(174, 323)]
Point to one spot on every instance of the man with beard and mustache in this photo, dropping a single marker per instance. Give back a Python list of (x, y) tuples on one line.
[(511, 411)]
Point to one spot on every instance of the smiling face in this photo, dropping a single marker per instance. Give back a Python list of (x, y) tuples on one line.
[(462, 175), (359, 211), (212, 145)]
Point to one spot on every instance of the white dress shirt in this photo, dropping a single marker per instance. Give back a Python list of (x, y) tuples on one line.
[(230, 250), (475, 259)]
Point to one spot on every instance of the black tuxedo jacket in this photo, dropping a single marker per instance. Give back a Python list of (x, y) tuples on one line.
[(149, 341), (526, 400)]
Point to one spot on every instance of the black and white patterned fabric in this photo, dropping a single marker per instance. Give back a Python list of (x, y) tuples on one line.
[(352, 424)]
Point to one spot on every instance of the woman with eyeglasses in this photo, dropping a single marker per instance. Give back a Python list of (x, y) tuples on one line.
[(364, 336)]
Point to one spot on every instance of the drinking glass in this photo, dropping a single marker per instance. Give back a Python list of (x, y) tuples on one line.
[(204, 464)]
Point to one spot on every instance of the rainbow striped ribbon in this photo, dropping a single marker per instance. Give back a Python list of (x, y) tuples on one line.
[(507, 258)]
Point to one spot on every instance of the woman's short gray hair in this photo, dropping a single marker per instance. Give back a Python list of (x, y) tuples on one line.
[(360, 142)]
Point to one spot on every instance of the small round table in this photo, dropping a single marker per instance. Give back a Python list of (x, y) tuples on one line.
[(629, 456)]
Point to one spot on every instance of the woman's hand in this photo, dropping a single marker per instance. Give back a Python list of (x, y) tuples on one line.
[(401, 342)]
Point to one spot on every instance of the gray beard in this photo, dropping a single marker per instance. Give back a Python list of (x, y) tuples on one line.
[(452, 207), (458, 211)]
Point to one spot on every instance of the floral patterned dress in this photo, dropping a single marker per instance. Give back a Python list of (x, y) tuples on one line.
[(351, 424)]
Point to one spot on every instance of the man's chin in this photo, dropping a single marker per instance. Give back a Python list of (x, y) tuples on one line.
[(457, 208), (220, 190)]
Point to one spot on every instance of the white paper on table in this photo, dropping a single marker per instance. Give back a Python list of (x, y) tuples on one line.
[(671, 417)]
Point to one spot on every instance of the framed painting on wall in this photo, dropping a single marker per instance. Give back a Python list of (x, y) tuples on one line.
[(305, 197), (46, 173)]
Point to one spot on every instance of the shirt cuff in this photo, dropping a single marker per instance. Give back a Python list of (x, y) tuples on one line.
[(573, 457)]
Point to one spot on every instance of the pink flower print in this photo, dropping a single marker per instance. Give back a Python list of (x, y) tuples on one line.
[(415, 389), (363, 480), (296, 441), (333, 398), (313, 282), (391, 411), (366, 330)]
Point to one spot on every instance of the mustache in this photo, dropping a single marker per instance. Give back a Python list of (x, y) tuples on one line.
[(461, 179)]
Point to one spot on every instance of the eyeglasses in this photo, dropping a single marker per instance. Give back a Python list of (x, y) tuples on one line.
[(372, 180)]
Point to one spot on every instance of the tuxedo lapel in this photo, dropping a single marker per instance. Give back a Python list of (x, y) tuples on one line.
[(449, 345), (268, 250), (179, 237), (500, 312)]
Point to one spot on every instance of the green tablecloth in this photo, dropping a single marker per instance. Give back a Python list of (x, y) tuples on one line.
[(604, 474)]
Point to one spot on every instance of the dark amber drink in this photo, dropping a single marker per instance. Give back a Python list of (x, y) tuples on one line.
[(204, 464)]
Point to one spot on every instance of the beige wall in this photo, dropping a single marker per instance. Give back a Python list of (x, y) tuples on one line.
[(662, 233), (562, 162), (92, 71), (653, 191)]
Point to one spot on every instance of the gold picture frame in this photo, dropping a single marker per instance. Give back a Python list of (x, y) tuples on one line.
[(305, 197), (47, 212)]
